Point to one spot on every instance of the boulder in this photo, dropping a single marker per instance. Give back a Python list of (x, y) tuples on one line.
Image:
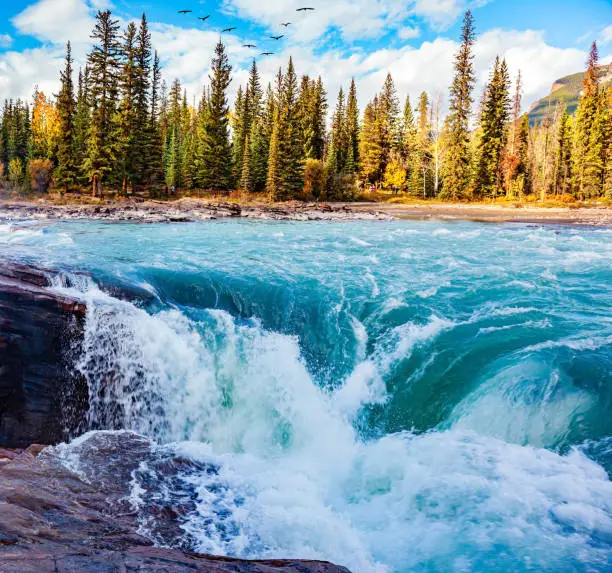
[(55, 520), (41, 397)]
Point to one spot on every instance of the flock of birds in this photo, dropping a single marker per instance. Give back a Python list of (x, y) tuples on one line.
[(252, 46)]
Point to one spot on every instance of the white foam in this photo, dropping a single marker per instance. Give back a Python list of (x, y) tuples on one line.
[(360, 242)]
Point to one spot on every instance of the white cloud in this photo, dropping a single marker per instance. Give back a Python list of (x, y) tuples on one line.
[(540, 64), (21, 71), (430, 66), (409, 32), (354, 18), (56, 21), (186, 52), (606, 36), (5, 41)]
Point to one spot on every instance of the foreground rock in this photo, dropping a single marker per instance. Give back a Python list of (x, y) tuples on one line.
[(40, 395), (185, 210), (53, 520)]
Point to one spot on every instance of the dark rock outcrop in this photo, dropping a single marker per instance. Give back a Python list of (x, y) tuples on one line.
[(41, 398), (53, 520)]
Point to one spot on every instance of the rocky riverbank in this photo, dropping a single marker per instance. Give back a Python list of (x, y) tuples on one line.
[(71, 509), (591, 216), (184, 210), (190, 209)]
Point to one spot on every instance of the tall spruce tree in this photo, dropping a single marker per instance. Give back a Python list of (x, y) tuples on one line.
[(370, 149), (274, 181), (457, 177), (217, 151), (588, 153), (261, 133), (65, 173), (239, 125), (127, 143), (290, 144), (81, 126), (563, 156), (494, 126), (339, 142), (420, 177), (352, 125), (389, 113), (312, 106), (154, 151), (143, 136), (104, 66)]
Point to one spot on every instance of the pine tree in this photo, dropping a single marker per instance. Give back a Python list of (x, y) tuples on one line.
[(200, 174), (607, 190), (246, 184), (312, 106), (420, 177), (352, 123), (339, 142), (563, 156), (81, 125), (457, 169), (274, 183), (154, 141), (390, 121), (65, 172), (261, 133), (494, 121), (188, 149), (103, 63), (239, 123), (589, 134), (510, 157), (370, 148), (596, 152), (144, 136), (127, 120), (175, 139), (290, 141), (408, 132), (217, 151), (522, 180)]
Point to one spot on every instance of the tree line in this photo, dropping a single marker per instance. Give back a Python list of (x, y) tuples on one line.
[(119, 127)]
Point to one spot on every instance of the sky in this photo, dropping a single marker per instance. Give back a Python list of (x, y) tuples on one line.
[(415, 40)]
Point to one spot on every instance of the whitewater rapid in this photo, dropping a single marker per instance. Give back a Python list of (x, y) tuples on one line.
[(391, 398)]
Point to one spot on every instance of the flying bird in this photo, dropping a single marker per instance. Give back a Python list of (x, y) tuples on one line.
[(185, 11), (276, 37), (305, 10), (203, 18), (228, 30), (249, 45), (267, 54), (285, 24)]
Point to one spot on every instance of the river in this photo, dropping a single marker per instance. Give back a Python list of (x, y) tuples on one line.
[(410, 396)]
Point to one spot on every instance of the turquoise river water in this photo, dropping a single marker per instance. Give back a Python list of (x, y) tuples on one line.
[(402, 396)]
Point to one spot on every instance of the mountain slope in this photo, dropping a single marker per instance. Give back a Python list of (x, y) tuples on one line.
[(565, 91)]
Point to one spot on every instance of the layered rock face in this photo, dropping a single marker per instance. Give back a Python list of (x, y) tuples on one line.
[(69, 510), (41, 398)]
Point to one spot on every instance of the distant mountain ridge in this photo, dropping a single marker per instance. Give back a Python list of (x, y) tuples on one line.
[(565, 91)]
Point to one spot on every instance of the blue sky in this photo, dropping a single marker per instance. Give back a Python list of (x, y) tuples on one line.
[(413, 39)]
